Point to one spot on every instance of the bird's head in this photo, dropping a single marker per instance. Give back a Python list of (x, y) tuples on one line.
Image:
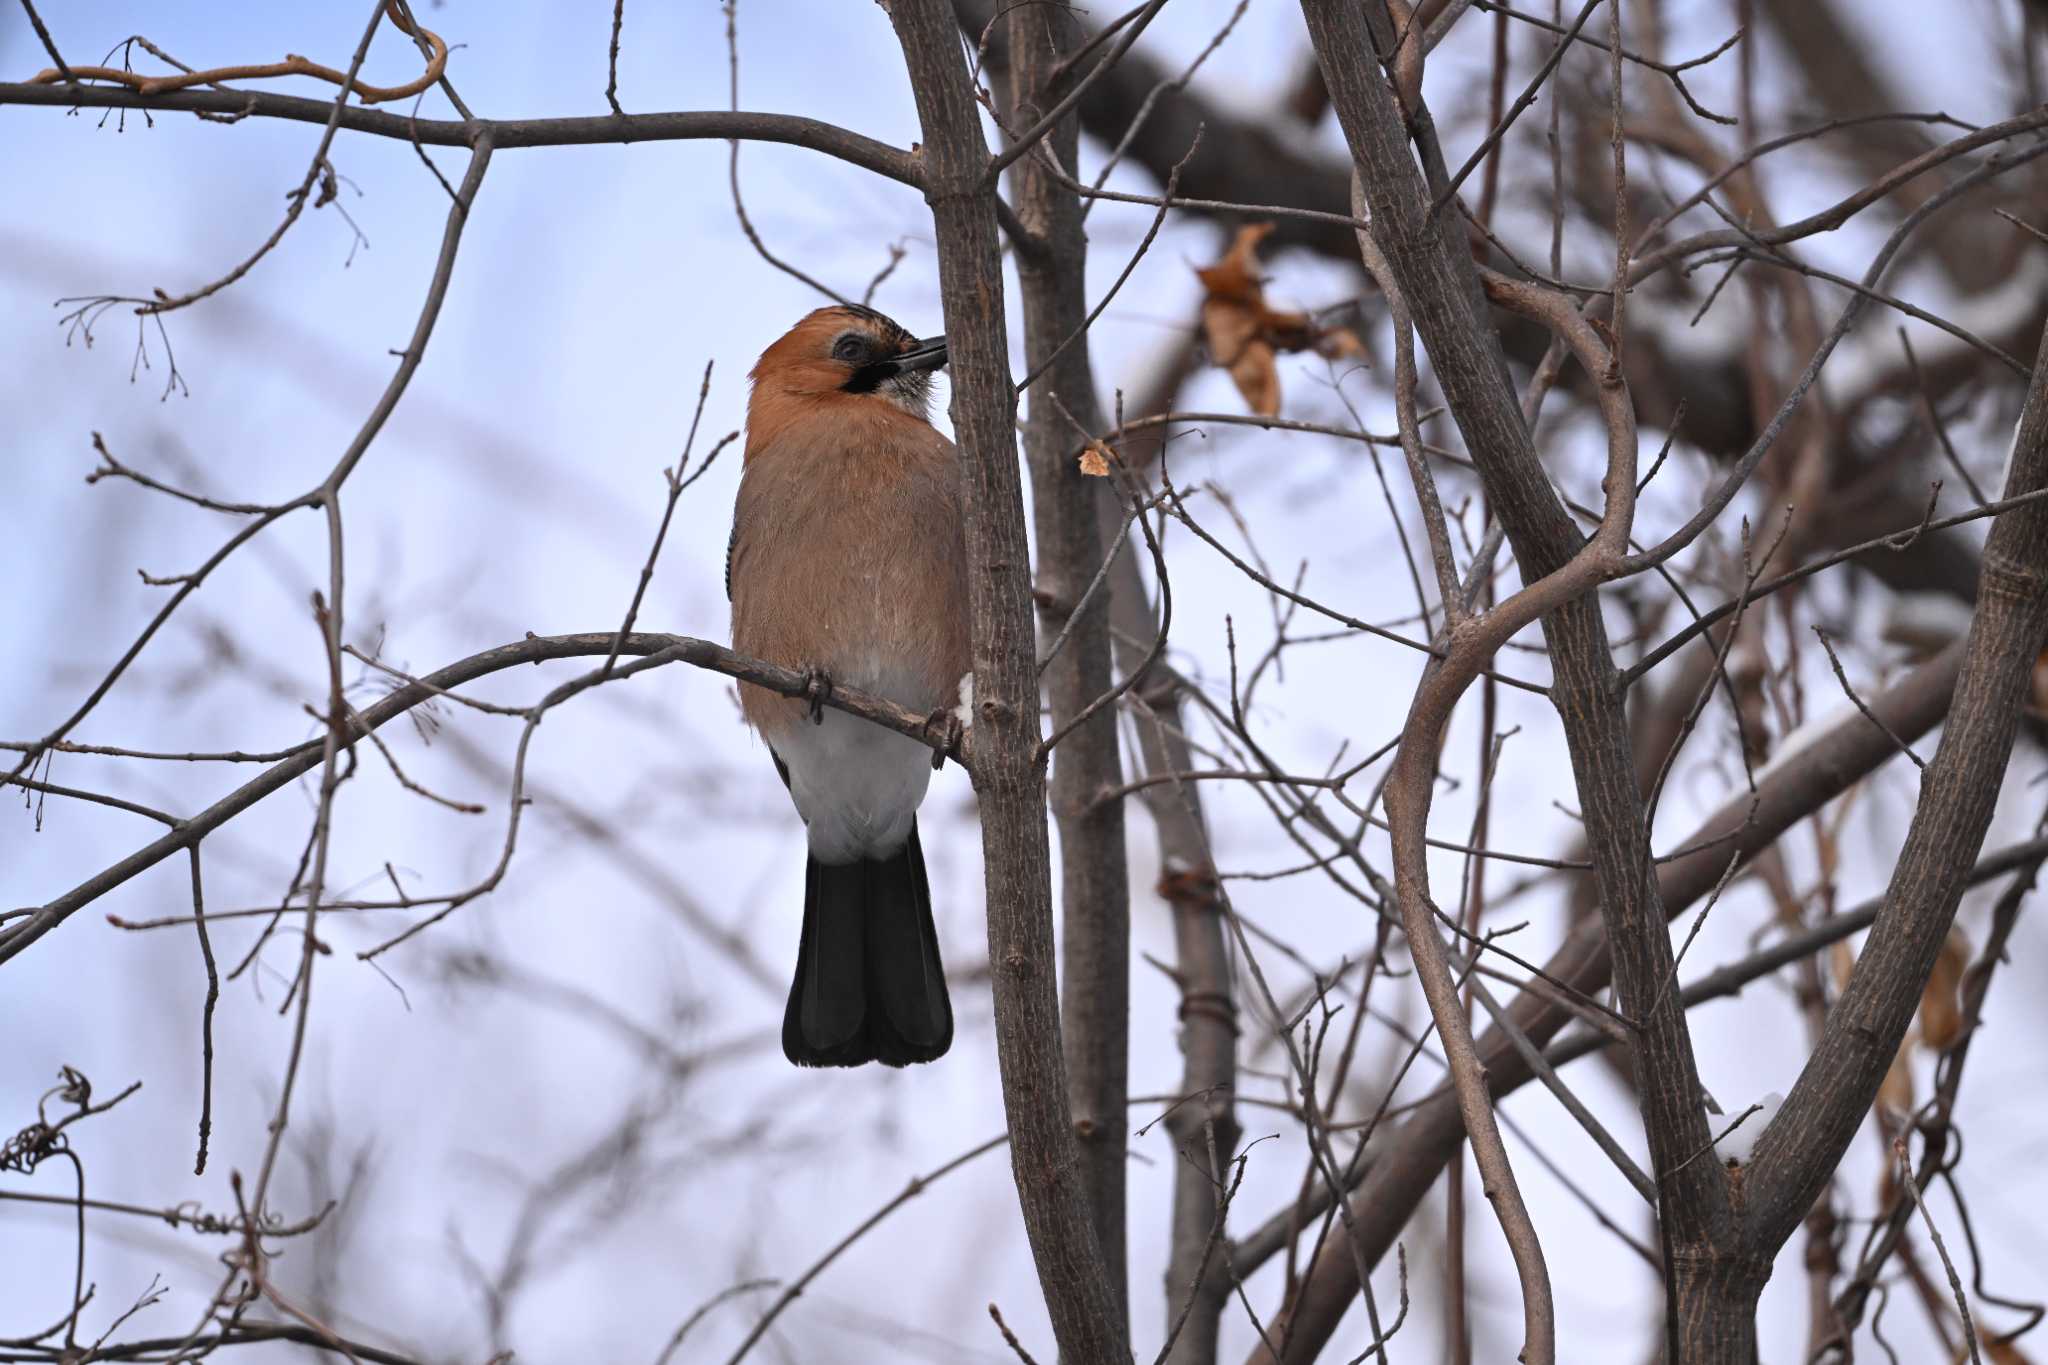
[(851, 351)]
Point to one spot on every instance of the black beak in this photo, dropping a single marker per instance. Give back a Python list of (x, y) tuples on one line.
[(924, 355), (928, 354)]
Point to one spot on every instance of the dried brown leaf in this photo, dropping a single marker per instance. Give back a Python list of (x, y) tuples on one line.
[(1236, 276), (1095, 460), (1257, 377), (1941, 1004), (1246, 337), (1896, 1094), (1339, 343)]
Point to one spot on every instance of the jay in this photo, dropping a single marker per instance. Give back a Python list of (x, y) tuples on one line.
[(848, 560)]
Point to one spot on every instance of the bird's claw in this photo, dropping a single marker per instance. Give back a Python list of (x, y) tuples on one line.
[(817, 690), (948, 723)]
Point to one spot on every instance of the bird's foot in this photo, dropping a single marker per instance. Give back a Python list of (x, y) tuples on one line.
[(817, 690), (945, 721)]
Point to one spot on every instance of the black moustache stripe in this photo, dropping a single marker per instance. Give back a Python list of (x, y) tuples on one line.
[(868, 378)]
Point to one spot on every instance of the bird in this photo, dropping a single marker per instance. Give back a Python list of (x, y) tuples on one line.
[(848, 561)]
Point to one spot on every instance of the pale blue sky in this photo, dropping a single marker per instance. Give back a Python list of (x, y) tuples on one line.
[(516, 489)]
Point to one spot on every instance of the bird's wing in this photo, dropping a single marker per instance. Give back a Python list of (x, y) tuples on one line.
[(732, 539)]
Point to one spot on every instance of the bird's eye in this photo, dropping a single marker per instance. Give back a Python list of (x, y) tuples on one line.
[(851, 348)]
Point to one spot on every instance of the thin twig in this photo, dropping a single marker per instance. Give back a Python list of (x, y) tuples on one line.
[(35, 20), (611, 85), (1912, 1187), (1009, 1337), (205, 1016), (732, 170), (1870, 715), (677, 482), (729, 1292), (800, 1283)]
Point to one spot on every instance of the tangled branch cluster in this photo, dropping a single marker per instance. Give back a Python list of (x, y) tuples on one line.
[(1556, 583)]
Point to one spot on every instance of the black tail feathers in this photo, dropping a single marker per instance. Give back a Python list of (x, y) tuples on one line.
[(869, 987)]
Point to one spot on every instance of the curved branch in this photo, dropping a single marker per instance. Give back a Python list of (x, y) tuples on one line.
[(916, 1186), (292, 65), (1469, 644), (684, 126), (532, 650), (1800, 780)]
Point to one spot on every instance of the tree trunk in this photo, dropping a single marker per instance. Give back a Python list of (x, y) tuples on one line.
[(1716, 1297), (1095, 901)]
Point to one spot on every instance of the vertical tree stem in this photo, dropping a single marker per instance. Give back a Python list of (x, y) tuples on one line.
[(1009, 778), (1095, 942)]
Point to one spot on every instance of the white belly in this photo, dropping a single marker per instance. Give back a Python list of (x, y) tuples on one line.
[(856, 785)]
